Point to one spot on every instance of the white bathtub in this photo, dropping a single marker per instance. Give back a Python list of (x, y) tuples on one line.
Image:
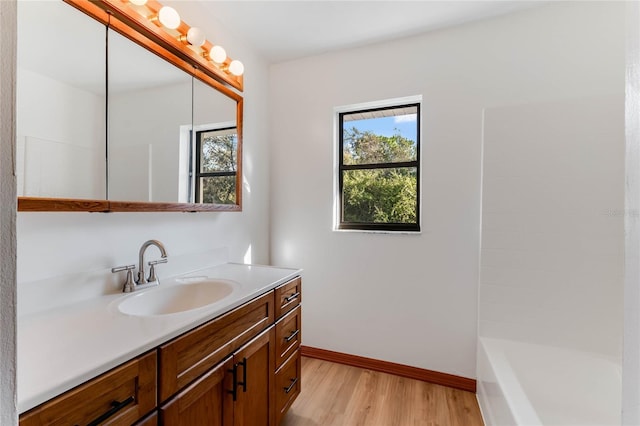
[(526, 384)]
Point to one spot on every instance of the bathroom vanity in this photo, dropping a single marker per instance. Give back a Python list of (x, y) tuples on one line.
[(233, 362)]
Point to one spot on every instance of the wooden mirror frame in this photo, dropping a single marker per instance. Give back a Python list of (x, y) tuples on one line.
[(117, 16)]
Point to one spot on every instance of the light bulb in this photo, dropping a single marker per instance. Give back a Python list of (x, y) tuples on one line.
[(169, 17), (236, 67), (138, 2), (196, 36), (218, 54)]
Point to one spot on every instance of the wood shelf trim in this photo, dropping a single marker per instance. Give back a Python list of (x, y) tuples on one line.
[(40, 204), (436, 377), (143, 206)]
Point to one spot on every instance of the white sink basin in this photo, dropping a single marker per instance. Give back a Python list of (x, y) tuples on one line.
[(178, 298)]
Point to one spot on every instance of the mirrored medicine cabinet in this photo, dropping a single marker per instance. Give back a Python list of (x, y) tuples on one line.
[(109, 120)]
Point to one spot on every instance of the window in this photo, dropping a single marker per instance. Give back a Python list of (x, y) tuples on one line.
[(216, 169), (379, 169)]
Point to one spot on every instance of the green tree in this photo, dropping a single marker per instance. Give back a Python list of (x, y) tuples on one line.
[(379, 195), (218, 155), (368, 148)]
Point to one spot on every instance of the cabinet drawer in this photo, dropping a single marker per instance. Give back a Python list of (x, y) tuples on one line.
[(185, 358), (128, 392), (287, 385), (288, 335), (288, 296)]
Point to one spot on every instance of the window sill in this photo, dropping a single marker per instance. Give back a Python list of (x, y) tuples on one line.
[(376, 231)]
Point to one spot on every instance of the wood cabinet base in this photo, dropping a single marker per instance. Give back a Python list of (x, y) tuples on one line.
[(240, 369)]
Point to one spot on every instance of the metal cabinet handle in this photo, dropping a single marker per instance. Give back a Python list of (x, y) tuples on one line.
[(243, 383), (117, 406), (293, 383), (292, 297), (234, 390), (291, 336)]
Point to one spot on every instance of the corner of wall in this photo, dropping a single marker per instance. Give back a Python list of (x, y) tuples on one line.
[(8, 201), (631, 341)]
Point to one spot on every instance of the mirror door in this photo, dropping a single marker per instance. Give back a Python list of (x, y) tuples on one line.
[(60, 103), (108, 117), (149, 114)]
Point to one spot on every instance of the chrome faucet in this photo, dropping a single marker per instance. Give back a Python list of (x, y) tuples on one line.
[(141, 281), (152, 273)]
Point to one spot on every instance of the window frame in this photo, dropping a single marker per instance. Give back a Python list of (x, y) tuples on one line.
[(390, 227), (197, 174)]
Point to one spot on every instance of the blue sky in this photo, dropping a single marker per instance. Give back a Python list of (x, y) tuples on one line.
[(386, 126)]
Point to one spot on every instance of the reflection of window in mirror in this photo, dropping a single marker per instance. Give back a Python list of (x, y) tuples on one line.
[(216, 167), (213, 149)]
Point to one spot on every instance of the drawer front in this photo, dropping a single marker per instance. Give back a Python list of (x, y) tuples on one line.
[(288, 335), (287, 385), (187, 357), (120, 396), (151, 420), (288, 296)]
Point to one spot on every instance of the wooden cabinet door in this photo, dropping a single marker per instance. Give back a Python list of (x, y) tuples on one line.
[(187, 357), (255, 366), (206, 402)]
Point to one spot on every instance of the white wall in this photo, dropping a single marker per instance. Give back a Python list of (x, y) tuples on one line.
[(552, 257), (60, 139), (413, 299), (55, 244), (631, 354), (144, 141), (8, 201)]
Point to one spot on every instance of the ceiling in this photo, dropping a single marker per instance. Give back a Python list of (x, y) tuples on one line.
[(285, 30)]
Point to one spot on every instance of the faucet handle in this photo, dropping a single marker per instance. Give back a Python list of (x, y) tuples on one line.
[(129, 285), (123, 268), (152, 269)]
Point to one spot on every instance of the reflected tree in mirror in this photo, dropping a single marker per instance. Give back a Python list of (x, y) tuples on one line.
[(217, 166)]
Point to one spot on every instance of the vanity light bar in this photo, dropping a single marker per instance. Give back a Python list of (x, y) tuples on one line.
[(169, 18), (163, 25)]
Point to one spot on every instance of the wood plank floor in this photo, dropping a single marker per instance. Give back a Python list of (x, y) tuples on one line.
[(340, 395)]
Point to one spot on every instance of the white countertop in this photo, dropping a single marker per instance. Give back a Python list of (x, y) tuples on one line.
[(64, 347)]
